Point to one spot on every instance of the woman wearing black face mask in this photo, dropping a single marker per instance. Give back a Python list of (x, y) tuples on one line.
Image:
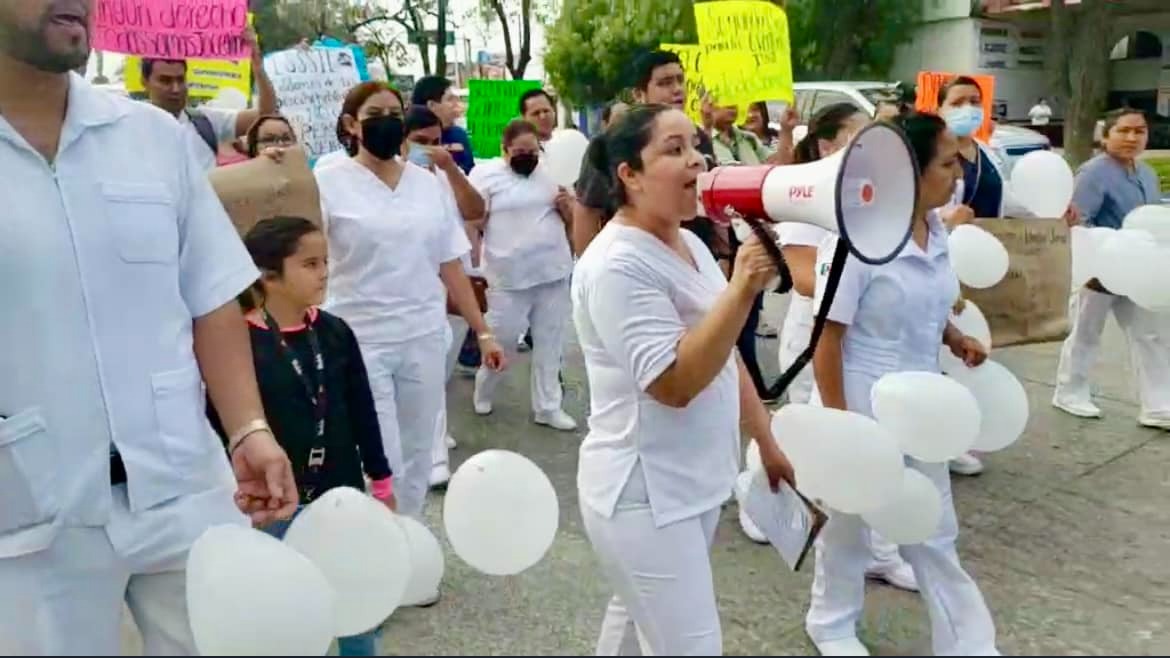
[(527, 262), (395, 240)]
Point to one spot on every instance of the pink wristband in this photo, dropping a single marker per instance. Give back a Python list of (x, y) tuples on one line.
[(382, 489)]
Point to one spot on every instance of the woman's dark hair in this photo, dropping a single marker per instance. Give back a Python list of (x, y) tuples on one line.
[(623, 142), (922, 130), (354, 100), (762, 108), (957, 81), (825, 124), (253, 134), (1113, 116), (270, 242), (418, 117), (517, 128)]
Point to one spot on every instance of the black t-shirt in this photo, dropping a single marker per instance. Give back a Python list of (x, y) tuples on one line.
[(594, 191), (352, 436)]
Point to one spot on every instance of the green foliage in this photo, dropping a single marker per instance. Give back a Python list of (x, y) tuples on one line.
[(592, 44), (857, 39), (1162, 166), (283, 23)]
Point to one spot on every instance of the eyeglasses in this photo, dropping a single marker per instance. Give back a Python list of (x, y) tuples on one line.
[(277, 140)]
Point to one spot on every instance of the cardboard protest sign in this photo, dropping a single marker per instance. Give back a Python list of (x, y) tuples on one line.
[(492, 104), (311, 84), (261, 189), (172, 29), (757, 33), (205, 77), (1030, 304), (929, 84)]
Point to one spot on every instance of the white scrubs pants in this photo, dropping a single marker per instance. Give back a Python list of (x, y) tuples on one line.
[(794, 338), (67, 599), (545, 309), (456, 332), (661, 578), (1149, 346), (409, 389), (961, 624)]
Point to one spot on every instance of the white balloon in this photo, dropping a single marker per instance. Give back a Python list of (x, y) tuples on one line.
[(1120, 262), (229, 98), (426, 562), (934, 418), (912, 517), (979, 259), (971, 322), (1154, 219), (1043, 182), (842, 458), (500, 512), (359, 546), (1086, 243), (563, 154), (248, 594), (1003, 404), (1149, 288)]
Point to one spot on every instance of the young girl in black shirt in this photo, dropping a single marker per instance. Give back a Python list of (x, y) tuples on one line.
[(312, 379)]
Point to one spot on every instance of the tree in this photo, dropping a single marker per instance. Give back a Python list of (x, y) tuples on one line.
[(848, 40), (284, 23), (515, 18), (1078, 55), (590, 47)]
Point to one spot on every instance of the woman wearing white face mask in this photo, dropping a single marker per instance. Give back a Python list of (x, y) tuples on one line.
[(829, 131), (527, 263), (395, 240)]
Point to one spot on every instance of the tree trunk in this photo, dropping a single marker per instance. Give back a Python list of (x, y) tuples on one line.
[(1078, 47), (441, 41), (525, 40)]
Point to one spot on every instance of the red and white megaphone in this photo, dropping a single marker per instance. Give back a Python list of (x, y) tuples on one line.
[(865, 193)]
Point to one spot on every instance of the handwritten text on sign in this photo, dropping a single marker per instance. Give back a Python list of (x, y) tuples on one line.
[(754, 60), (172, 29), (310, 88), (492, 105)]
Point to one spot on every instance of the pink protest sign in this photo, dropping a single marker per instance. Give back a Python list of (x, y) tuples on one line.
[(172, 29)]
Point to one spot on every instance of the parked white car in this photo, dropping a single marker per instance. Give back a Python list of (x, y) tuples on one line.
[(1012, 142)]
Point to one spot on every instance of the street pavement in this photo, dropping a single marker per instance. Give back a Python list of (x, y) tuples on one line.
[(1066, 534)]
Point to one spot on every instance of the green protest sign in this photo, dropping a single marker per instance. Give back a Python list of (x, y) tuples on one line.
[(492, 104)]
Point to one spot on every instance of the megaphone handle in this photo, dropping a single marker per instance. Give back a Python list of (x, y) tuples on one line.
[(769, 242), (840, 254)]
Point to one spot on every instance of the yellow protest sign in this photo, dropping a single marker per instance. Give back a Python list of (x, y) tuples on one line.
[(205, 77), (745, 51)]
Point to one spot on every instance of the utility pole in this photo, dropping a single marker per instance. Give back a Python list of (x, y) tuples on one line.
[(441, 41)]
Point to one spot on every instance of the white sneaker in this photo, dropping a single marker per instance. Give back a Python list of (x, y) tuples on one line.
[(1084, 409), (482, 407), (450, 441), (750, 528), (1158, 421), (850, 646), (898, 574), (440, 476), (558, 420), (967, 464)]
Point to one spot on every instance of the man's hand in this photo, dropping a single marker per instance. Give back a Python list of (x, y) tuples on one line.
[(274, 153), (777, 466), (492, 353), (789, 120), (267, 490), (442, 159), (254, 43), (1072, 216), (958, 215), (564, 203), (971, 351)]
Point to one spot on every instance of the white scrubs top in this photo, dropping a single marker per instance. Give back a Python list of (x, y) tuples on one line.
[(385, 249), (524, 240), (633, 299), (107, 256), (223, 122), (896, 312), (793, 234)]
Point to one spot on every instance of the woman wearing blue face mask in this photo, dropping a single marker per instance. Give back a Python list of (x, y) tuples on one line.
[(982, 191)]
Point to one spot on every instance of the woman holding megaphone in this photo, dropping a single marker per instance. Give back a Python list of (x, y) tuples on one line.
[(658, 324), (829, 131), (886, 319)]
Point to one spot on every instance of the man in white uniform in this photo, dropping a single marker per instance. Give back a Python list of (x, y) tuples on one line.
[(121, 272), (207, 127)]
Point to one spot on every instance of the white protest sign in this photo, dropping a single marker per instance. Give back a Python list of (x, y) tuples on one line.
[(311, 84)]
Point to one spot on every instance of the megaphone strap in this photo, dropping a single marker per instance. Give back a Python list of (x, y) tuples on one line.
[(840, 254)]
